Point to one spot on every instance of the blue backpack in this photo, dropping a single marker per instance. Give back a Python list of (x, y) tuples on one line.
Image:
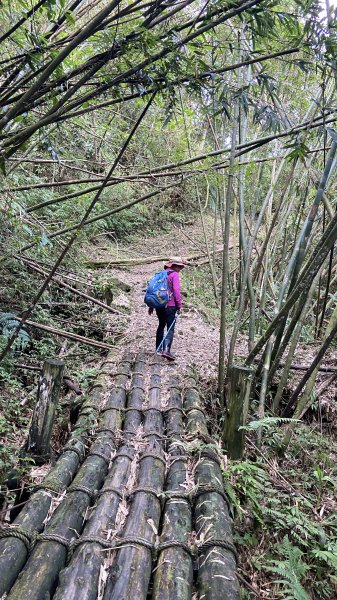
[(157, 292)]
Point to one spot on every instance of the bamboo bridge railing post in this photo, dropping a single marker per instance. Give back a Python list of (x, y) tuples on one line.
[(49, 387), (237, 410)]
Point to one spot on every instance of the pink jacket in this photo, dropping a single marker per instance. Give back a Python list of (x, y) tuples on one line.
[(174, 289)]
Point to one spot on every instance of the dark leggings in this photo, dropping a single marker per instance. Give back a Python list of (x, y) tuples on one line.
[(166, 317)]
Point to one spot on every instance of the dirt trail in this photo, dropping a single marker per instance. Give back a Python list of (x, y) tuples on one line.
[(195, 341)]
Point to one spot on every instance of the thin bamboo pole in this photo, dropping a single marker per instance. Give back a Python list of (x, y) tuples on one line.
[(225, 259)]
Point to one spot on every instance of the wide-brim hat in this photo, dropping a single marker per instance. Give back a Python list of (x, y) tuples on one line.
[(175, 260)]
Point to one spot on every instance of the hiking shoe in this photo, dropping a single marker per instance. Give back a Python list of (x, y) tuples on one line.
[(168, 355), (167, 351)]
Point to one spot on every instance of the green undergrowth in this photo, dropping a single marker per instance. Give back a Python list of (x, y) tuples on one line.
[(285, 516), (197, 287)]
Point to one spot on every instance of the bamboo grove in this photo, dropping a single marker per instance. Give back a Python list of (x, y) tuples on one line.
[(106, 106)]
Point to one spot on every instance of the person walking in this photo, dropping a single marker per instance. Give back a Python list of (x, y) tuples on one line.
[(167, 316)]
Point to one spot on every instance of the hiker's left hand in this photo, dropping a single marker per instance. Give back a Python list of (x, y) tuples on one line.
[(150, 311)]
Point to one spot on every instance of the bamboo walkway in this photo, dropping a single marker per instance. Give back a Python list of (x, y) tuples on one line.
[(130, 510)]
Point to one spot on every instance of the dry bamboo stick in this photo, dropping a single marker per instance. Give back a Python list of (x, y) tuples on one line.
[(13, 551), (144, 260), (39, 578), (70, 336), (69, 287)]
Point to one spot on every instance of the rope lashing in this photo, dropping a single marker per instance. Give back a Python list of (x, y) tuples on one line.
[(69, 448), (100, 455), (18, 532), (54, 537), (108, 544), (106, 430), (109, 490), (198, 409), (206, 489), (211, 455), (119, 386), (153, 455), (154, 433), (82, 488), (145, 490), (193, 550), (107, 408), (122, 454), (222, 544), (178, 408), (55, 488), (137, 387)]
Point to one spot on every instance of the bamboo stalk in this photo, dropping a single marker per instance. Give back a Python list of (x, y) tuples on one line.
[(303, 283), (40, 575), (225, 259)]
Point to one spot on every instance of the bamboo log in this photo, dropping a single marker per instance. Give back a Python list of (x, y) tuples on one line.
[(196, 421), (13, 551), (174, 573), (131, 571), (39, 578), (237, 410), (133, 417), (44, 412), (81, 578), (217, 578)]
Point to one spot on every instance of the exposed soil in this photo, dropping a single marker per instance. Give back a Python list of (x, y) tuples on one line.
[(196, 340)]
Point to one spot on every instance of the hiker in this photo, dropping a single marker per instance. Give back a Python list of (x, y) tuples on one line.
[(167, 314)]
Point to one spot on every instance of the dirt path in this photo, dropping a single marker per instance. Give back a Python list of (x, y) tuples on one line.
[(196, 341)]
